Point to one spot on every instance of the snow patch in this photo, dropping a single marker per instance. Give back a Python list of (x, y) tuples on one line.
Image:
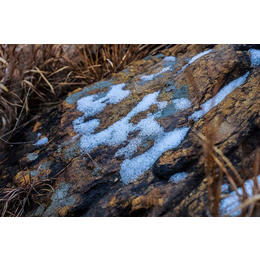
[(84, 92), (196, 57), (153, 76), (82, 127), (181, 103), (32, 156), (91, 105), (169, 58), (178, 177), (42, 141), (232, 201), (224, 188), (255, 57), (119, 131), (133, 168), (208, 105), (148, 128)]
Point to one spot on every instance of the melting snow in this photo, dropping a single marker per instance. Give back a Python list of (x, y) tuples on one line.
[(181, 103), (232, 201), (131, 169), (32, 156), (42, 141), (169, 58), (224, 188), (177, 177), (219, 97), (90, 105), (196, 57), (199, 56), (119, 131), (153, 76), (85, 127), (148, 128), (97, 86), (255, 57)]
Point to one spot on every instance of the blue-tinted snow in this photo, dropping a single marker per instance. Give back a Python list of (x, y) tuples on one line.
[(255, 57), (149, 128), (32, 156), (196, 57), (146, 78), (170, 62), (119, 131), (178, 177), (232, 201), (218, 98), (224, 188), (99, 85), (91, 105), (133, 168), (42, 141), (169, 58), (181, 103)]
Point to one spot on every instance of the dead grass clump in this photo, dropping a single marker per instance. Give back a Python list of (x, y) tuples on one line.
[(15, 202), (29, 76), (93, 62)]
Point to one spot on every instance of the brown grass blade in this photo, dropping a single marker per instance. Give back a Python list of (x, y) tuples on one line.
[(49, 84)]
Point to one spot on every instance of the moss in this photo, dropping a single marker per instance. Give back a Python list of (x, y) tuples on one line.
[(60, 199), (73, 151)]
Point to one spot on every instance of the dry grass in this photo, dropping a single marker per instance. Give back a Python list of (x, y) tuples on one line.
[(33, 77), (18, 201), (15, 202), (219, 166), (95, 62)]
